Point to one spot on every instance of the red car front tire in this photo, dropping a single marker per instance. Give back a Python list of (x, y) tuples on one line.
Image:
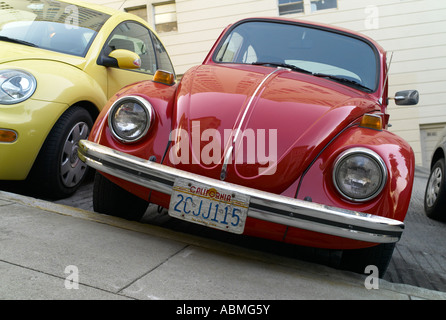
[(109, 198)]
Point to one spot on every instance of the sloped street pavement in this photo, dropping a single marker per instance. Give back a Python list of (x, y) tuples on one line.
[(418, 260), (46, 249)]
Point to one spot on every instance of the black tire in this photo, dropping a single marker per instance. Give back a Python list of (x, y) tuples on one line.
[(358, 259), (109, 198), (435, 195), (58, 172)]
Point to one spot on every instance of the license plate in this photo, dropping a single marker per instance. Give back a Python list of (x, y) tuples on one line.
[(206, 205)]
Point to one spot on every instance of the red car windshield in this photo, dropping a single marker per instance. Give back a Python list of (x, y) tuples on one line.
[(322, 52), (51, 25)]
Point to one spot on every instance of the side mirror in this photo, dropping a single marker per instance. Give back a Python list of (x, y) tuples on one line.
[(121, 58), (407, 98)]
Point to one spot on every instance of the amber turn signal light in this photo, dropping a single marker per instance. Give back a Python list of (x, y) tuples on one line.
[(164, 77), (371, 121), (7, 135)]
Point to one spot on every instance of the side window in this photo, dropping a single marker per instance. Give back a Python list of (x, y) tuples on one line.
[(164, 62), (250, 55), (134, 37), (231, 48), (237, 49)]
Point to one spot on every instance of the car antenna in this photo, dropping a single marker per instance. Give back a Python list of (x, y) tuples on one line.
[(123, 3), (385, 80)]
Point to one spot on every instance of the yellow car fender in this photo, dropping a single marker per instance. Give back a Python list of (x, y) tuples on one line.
[(35, 118)]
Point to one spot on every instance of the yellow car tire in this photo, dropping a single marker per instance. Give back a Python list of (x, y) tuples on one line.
[(58, 172)]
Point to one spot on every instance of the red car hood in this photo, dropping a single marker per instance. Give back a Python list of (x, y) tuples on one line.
[(284, 119)]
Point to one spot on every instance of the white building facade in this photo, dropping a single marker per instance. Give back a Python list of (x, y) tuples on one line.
[(414, 30)]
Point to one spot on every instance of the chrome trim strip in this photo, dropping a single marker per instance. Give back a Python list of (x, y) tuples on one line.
[(228, 153), (263, 205), (225, 163), (250, 102)]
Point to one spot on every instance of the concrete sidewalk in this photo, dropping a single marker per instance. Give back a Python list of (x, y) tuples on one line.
[(46, 247)]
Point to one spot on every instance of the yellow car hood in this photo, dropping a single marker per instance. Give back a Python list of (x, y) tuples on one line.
[(11, 52)]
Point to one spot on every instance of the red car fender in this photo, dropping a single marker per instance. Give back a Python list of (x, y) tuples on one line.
[(393, 201), (154, 145)]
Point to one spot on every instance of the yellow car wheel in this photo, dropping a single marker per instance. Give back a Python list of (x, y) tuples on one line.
[(58, 172)]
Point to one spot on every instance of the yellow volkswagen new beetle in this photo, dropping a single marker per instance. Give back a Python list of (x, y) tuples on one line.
[(59, 63)]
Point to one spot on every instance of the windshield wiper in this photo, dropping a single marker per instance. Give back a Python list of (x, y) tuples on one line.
[(284, 65), (321, 75), (26, 43), (343, 80)]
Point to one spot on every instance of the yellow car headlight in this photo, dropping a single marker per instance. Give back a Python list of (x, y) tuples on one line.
[(16, 86)]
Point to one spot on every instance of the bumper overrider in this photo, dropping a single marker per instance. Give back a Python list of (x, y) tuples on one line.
[(262, 205)]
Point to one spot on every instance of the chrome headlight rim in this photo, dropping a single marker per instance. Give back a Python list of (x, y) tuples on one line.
[(370, 154), (149, 115), (12, 74)]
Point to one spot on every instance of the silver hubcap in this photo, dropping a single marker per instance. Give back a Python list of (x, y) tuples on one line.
[(72, 169), (433, 186)]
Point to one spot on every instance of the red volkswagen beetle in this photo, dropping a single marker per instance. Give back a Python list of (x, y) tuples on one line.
[(281, 133)]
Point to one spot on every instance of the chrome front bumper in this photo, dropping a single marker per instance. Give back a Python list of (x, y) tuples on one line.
[(263, 205)]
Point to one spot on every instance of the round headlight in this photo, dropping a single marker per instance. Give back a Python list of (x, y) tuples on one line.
[(16, 86), (359, 174), (130, 118)]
